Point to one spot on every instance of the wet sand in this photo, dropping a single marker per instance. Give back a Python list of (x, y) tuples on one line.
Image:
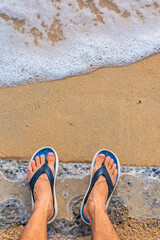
[(128, 231), (114, 108)]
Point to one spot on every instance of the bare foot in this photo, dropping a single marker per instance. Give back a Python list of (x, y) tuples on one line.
[(42, 189), (99, 194)]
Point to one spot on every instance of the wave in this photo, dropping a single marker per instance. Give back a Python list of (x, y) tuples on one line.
[(52, 39)]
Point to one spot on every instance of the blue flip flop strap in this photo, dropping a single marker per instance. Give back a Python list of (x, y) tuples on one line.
[(101, 171), (44, 169)]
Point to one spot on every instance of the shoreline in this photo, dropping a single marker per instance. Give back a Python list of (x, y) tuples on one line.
[(43, 80), (116, 108)]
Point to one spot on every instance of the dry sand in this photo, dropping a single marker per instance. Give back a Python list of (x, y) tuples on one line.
[(114, 108)]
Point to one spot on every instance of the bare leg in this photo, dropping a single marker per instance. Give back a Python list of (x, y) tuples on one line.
[(36, 228), (95, 209)]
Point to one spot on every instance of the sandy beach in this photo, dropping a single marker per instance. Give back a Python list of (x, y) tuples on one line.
[(115, 108), (80, 76)]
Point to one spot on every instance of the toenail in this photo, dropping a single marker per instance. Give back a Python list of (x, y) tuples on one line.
[(102, 156), (50, 154)]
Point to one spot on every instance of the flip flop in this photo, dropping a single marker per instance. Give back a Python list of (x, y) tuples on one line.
[(46, 169), (101, 171)]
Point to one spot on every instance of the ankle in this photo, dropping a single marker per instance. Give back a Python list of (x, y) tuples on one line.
[(94, 207), (40, 206)]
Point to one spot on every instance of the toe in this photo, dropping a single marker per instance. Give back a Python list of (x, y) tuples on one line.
[(33, 165), (111, 162), (115, 174), (50, 157), (113, 167), (99, 161), (107, 161), (42, 159), (30, 173), (51, 161), (37, 161)]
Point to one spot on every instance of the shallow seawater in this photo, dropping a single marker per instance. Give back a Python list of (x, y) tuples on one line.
[(47, 40)]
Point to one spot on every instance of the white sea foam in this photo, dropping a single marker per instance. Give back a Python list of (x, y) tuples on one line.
[(48, 39)]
